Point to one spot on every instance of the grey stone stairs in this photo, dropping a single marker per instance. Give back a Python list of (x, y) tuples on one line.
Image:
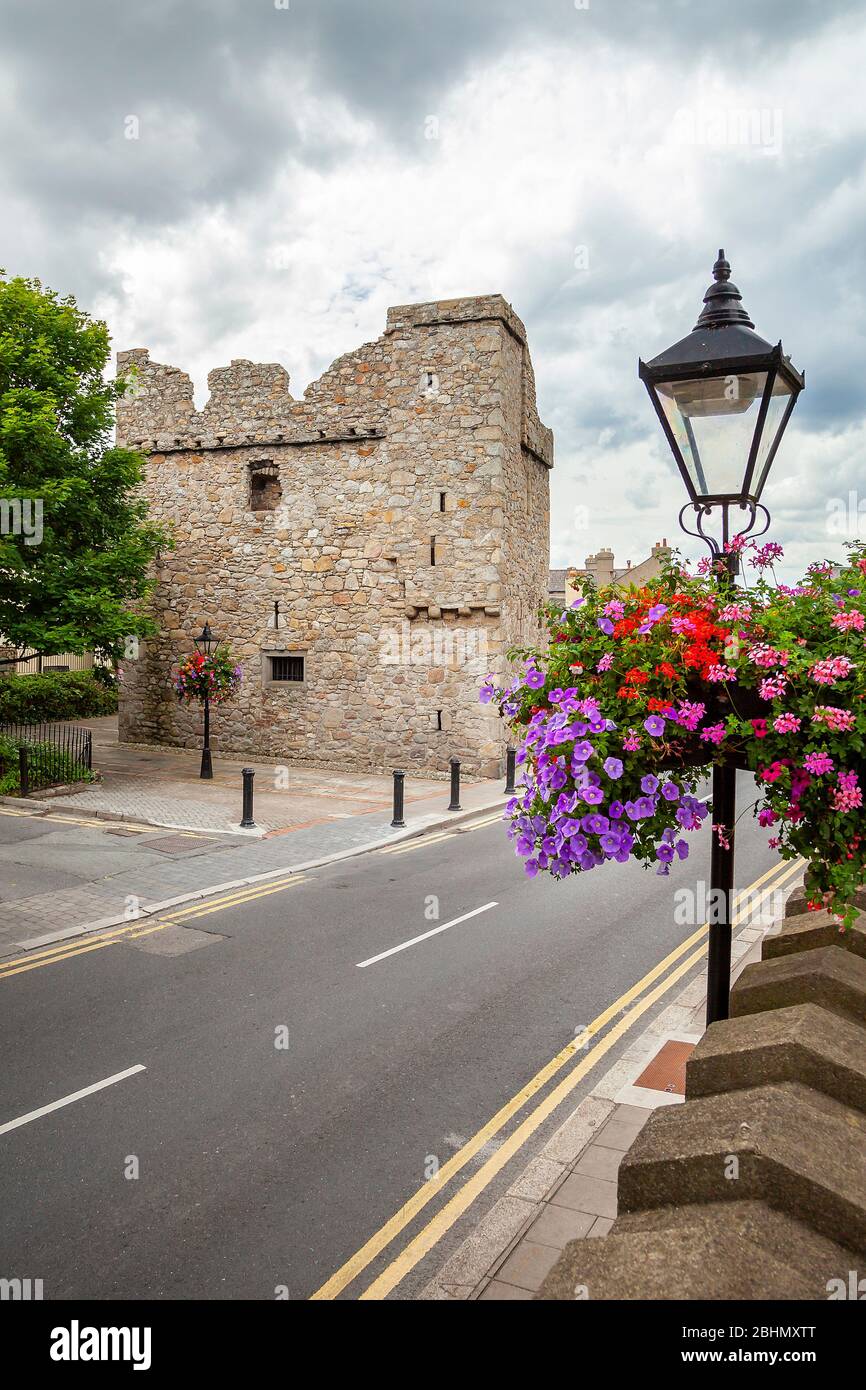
[(755, 1188)]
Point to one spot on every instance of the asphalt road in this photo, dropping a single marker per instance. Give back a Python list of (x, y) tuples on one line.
[(294, 1096)]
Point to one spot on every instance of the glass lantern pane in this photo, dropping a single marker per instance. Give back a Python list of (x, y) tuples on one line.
[(713, 422), (780, 395)]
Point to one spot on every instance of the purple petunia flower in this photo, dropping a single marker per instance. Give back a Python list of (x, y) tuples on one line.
[(654, 726), (592, 795), (606, 626), (613, 767), (649, 784)]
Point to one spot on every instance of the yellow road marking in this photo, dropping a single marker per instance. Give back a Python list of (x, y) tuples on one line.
[(417, 843), (99, 824), (383, 1237), (248, 895), (77, 946), (82, 950)]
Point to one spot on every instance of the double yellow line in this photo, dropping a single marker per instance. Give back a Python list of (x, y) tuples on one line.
[(96, 824), (117, 936), (451, 1211)]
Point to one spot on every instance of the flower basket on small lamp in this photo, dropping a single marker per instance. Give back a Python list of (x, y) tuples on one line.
[(209, 675)]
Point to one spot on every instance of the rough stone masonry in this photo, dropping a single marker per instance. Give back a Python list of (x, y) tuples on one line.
[(368, 553)]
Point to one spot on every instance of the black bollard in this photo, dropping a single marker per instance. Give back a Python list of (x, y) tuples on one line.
[(23, 770), (455, 785), (398, 821), (510, 765), (247, 822)]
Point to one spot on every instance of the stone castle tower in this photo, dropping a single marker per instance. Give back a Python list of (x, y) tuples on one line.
[(369, 553)]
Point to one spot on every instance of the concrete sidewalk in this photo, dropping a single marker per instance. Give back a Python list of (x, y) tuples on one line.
[(90, 861), (569, 1190), (162, 786)]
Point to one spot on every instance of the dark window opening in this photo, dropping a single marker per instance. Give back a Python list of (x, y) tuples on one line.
[(439, 721), (287, 668), (442, 501), (432, 550), (265, 491)]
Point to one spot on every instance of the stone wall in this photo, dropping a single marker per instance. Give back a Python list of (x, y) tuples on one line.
[(755, 1188), (422, 446)]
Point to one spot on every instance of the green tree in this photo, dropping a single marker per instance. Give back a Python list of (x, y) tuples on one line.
[(75, 543)]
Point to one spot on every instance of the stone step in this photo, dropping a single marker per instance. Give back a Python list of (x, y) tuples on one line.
[(685, 1263), (756, 1144), (804, 1043), (833, 979), (813, 930)]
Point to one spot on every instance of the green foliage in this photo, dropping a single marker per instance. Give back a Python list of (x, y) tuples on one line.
[(55, 697), (48, 767), (73, 571)]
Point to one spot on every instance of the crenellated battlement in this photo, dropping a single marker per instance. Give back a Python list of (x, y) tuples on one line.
[(250, 402)]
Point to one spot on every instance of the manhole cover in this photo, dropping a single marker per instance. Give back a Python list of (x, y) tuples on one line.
[(178, 844)]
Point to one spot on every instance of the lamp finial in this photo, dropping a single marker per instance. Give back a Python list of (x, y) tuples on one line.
[(723, 303)]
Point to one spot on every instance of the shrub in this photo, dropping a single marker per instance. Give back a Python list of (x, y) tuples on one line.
[(52, 697), (44, 759)]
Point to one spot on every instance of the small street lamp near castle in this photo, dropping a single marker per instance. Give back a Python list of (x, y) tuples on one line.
[(206, 644), (723, 396)]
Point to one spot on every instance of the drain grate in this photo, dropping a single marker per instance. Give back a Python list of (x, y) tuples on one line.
[(179, 844)]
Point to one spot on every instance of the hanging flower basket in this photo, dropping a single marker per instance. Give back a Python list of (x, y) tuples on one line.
[(218, 676), (639, 691)]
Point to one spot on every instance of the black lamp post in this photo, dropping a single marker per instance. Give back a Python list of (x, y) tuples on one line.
[(207, 644), (724, 397)]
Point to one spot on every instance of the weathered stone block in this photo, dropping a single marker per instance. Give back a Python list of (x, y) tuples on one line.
[(725, 1250), (756, 1144), (834, 979), (813, 929), (805, 1044)]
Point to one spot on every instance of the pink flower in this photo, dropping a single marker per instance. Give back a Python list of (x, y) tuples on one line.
[(762, 655), (771, 773), (839, 720), (760, 727), (690, 715), (767, 817), (818, 763), (735, 613), (605, 663), (766, 554), (772, 686), (713, 733), (631, 742), (849, 622), (786, 724), (721, 673), (849, 796), (834, 668)]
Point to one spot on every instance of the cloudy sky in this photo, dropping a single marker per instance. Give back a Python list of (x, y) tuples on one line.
[(263, 178)]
